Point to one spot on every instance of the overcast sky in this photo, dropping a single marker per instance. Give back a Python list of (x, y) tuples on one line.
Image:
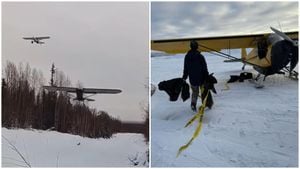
[(204, 19), (100, 44)]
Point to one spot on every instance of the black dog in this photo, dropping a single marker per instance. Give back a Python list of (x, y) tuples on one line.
[(207, 86), (174, 87), (243, 76)]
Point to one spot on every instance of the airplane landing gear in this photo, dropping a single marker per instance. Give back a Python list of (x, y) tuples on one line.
[(243, 68), (258, 82)]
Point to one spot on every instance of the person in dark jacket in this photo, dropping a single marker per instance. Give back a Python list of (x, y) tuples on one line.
[(195, 68)]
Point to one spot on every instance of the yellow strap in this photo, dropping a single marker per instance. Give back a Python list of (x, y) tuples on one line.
[(199, 116), (192, 119), (202, 89), (226, 87)]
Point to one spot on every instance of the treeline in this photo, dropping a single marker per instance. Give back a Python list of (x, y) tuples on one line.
[(26, 105)]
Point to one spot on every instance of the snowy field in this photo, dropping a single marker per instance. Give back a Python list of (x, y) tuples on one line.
[(54, 149), (247, 127)]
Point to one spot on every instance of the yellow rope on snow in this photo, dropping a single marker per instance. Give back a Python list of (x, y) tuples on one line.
[(226, 87), (199, 116)]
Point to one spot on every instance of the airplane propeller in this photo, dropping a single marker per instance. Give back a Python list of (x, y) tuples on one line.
[(284, 36), (294, 52)]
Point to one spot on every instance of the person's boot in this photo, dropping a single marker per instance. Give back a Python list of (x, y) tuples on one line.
[(193, 106)]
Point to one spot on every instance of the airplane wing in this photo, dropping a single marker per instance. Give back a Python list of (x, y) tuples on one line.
[(173, 46), (38, 38), (27, 38), (54, 88), (103, 91), (43, 37)]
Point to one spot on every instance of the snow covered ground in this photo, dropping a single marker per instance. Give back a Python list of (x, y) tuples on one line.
[(54, 149), (247, 127)]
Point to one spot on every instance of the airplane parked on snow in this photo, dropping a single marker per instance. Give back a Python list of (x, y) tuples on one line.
[(271, 52)]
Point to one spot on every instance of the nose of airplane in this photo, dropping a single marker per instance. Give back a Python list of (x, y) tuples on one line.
[(283, 52), (294, 59)]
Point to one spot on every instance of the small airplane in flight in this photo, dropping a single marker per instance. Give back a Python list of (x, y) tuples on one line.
[(270, 52), (37, 40), (81, 91)]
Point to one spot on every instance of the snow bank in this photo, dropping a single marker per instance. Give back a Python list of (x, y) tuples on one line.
[(54, 149)]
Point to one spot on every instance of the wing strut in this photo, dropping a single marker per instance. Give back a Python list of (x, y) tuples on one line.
[(227, 56)]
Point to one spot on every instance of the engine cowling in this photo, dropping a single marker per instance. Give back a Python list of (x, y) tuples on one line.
[(283, 53)]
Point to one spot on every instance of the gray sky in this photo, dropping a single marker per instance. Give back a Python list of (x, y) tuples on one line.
[(204, 19), (100, 44)]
